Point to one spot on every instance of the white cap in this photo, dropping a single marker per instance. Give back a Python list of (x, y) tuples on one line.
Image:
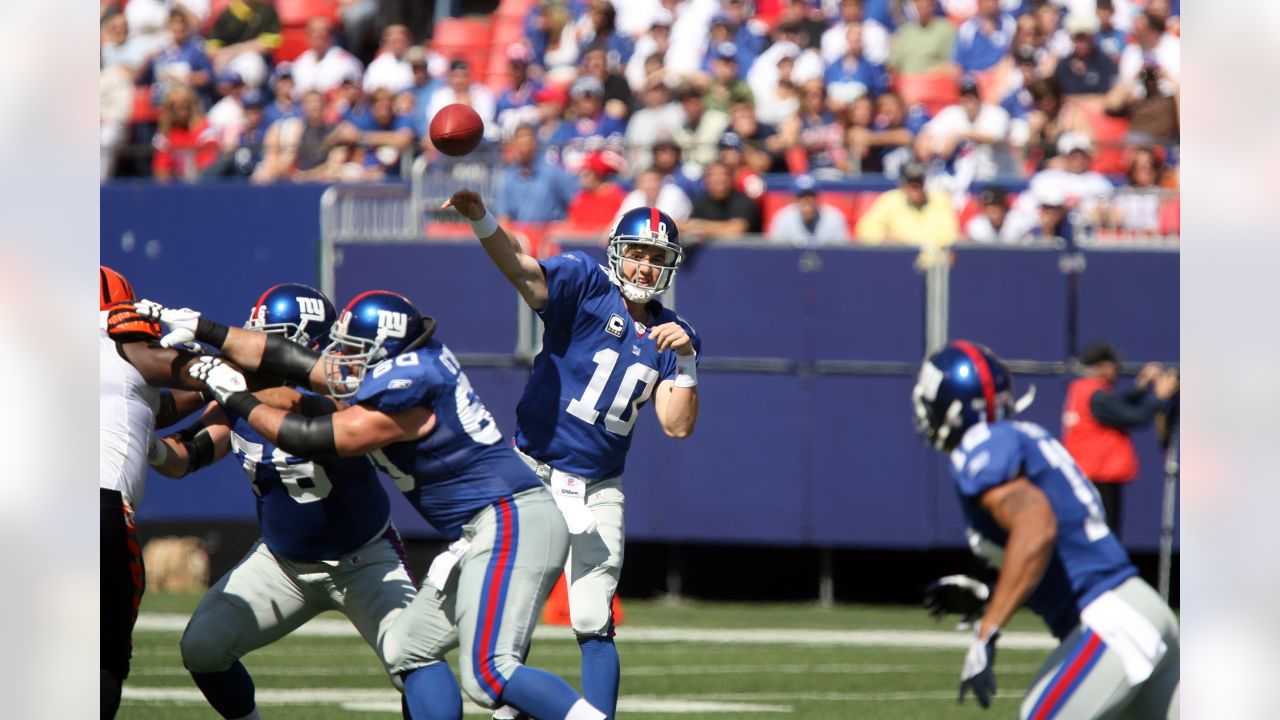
[(1049, 195), (1072, 141), (1077, 24), (662, 17), (786, 49)]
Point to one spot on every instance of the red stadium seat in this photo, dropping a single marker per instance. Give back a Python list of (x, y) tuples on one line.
[(296, 13), (1171, 217), (970, 210), (514, 8), (934, 90), (771, 202), (844, 201), (143, 110), (466, 38), (292, 44)]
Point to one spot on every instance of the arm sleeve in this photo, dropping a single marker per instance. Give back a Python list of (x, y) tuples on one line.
[(994, 461), (1118, 411), (568, 278)]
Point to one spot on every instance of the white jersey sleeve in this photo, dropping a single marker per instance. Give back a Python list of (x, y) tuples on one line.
[(126, 418)]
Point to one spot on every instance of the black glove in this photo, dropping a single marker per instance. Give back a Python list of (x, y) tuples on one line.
[(957, 594), (979, 673)]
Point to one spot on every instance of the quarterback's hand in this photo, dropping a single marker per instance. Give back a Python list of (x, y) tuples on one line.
[(979, 672), (671, 336), (467, 203), (958, 594), (223, 379)]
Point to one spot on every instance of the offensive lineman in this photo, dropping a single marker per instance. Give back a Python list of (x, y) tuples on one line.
[(415, 414), (327, 539), (131, 368), (1031, 512), (606, 345)]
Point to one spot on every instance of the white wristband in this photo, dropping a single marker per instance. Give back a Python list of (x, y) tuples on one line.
[(686, 371), (485, 226)]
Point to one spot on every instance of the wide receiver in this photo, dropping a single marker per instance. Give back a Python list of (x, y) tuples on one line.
[(415, 414), (1031, 513), (327, 539), (132, 367), (607, 347)]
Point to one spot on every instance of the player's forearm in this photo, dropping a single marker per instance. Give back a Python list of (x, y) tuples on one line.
[(163, 367), (517, 266), (270, 355), (169, 458), (680, 412), (1027, 554), (304, 437)]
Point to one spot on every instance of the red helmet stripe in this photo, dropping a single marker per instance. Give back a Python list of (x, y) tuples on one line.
[(984, 375), (263, 299), (360, 297), (654, 222)]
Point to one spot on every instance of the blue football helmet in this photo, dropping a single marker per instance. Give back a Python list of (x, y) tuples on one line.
[(300, 313), (960, 386), (374, 326), (644, 226)]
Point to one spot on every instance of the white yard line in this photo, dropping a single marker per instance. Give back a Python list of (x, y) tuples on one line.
[(928, 639), (388, 701)]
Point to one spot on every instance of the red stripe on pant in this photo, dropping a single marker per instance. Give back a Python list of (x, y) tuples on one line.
[(1051, 699), (136, 568), (483, 653)]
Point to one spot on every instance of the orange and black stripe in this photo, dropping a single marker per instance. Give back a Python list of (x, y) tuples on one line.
[(124, 324), (114, 288)]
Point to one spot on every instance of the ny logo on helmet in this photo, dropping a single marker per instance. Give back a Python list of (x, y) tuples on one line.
[(392, 323), (310, 308)]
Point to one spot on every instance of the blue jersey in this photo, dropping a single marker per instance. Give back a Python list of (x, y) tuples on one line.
[(1087, 559), (308, 510), (462, 466), (597, 368)]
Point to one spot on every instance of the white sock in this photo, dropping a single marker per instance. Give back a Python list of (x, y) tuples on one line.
[(506, 712), (583, 710), (251, 716)]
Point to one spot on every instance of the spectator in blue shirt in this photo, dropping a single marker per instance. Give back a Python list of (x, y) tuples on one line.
[(853, 76), (423, 87), (984, 39), (590, 129), (282, 104), (604, 33), (750, 35), (181, 62), (507, 111), (383, 135), (1109, 38), (533, 190), (1087, 70)]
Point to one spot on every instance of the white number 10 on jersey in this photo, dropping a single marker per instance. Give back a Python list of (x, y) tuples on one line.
[(584, 408)]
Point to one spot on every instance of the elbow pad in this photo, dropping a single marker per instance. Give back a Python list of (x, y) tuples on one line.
[(310, 438), (198, 444), (288, 361)]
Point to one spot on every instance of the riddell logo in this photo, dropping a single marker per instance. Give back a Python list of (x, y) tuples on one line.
[(394, 324)]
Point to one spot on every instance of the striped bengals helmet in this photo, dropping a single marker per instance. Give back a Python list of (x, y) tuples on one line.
[(121, 321), (115, 288)]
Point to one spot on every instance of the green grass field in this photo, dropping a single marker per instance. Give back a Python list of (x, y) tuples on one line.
[(692, 660)]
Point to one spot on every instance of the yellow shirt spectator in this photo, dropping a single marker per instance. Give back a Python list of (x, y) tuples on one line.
[(928, 222)]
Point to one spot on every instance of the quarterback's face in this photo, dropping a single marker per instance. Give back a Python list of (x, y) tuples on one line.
[(640, 264)]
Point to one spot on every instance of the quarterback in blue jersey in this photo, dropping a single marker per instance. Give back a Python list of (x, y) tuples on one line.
[(608, 348), (414, 412), (1031, 513), (327, 539)]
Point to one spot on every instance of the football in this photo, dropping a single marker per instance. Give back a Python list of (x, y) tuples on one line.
[(456, 130)]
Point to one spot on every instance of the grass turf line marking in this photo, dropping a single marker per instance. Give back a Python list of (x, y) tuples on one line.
[(389, 701), (927, 639)]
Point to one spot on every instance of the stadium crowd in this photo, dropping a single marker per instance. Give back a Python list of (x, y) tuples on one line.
[(1000, 120)]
